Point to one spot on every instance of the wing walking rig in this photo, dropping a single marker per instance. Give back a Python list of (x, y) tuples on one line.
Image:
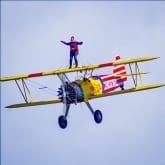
[(87, 88)]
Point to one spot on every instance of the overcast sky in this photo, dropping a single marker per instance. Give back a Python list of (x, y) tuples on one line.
[(132, 131)]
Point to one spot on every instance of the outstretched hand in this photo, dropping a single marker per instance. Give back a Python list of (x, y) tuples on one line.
[(63, 42)]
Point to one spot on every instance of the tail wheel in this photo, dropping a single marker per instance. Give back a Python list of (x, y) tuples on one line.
[(62, 122), (98, 116)]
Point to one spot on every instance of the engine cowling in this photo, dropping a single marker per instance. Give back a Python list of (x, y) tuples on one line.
[(72, 92)]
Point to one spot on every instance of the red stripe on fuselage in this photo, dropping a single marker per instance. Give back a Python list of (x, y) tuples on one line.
[(124, 78), (35, 74), (117, 69), (110, 77), (110, 89), (112, 86)]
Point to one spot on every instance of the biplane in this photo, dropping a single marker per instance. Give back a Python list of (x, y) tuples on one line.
[(90, 86)]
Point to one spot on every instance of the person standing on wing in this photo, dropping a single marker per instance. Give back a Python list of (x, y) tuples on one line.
[(73, 50)]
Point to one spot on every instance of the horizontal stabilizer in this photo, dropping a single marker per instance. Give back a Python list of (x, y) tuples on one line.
[(130, 74)]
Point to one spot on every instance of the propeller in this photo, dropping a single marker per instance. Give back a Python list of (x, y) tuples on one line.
[(67, 94)]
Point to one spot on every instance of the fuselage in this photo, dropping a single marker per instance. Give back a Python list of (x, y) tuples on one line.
[(81, 90), (99, 84)]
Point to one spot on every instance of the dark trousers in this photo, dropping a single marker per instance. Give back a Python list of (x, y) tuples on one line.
[(73, 55)]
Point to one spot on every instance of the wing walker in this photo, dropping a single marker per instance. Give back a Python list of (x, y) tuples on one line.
[(88, 87)]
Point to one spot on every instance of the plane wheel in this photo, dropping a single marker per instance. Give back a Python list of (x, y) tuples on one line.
[(62, 122), (98, 116)]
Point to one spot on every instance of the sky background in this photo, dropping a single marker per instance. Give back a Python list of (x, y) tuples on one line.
[(132, 131)]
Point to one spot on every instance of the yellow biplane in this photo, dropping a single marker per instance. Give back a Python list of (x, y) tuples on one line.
[(88, 87)]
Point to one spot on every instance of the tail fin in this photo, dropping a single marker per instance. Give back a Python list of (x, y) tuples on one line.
[(120, 70)]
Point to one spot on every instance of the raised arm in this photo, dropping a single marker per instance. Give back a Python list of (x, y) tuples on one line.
[(79, 43), (65, 43)]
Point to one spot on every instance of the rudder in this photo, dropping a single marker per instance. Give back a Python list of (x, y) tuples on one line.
[(120, 70)]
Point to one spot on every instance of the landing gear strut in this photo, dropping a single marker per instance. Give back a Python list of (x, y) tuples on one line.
[(62, 120), (96, 114)]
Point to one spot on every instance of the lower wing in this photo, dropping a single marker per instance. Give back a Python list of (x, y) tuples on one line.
[(34, 103), (136, 89), (140, 88)]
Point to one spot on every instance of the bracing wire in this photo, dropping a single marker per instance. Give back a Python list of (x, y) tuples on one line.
[(45, 88), (42, 87)]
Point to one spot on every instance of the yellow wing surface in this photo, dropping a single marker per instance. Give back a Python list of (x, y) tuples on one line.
[(135, 60), (136, 89), (82, 68), (34, 103), (146, 87)]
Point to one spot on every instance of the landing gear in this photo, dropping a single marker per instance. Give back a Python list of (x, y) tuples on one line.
[(96, 114), (62, 121)]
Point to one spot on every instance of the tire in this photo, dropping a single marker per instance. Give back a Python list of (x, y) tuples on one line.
[(98, 116), (62, 122)]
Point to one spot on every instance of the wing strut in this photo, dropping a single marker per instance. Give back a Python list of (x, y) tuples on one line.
[(25, 92), (136, 75)]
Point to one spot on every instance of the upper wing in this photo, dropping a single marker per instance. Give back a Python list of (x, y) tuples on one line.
[(55, 72), (140, 88), (34, 103), (82, 68), (142, 59)]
